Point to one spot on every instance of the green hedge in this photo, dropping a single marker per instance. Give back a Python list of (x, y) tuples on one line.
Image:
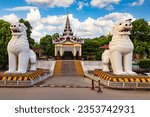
[(144, 63)]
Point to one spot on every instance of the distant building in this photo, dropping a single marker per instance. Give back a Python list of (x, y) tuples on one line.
[(39, 52), (68, 46)]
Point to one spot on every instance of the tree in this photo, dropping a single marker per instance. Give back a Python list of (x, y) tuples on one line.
[(103, 40), (91, 49), (47, 46), (5, 36), (55, 36), (140, 35), (29, 28), (36, 45), (141, 30), (140, 46)]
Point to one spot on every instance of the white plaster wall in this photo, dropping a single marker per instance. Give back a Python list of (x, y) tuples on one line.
[(91, 65), (46, 65)]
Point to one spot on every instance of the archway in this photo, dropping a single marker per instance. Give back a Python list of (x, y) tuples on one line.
[(68, 55), (77, 55), (58, 55)]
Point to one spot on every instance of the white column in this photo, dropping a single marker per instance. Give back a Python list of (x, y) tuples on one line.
[(61, 50), (55, 50), (80, 53), (74, 52)]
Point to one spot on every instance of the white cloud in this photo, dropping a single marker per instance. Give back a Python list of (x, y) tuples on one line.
[(81, 5), (56, 20), (38, 32), (11, 18), (138, 3), (22, 8), (105, 23), (116, 17), (109, 7), (88, 28), (52, 3), (33, 16), (104, 3)]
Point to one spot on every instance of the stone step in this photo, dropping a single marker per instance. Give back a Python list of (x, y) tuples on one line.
[(68, 68)]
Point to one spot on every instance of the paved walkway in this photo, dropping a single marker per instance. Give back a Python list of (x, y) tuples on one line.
[(47, 93), (44, 92), (67, 81)]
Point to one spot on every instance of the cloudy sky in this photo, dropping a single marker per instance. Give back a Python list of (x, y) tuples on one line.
[(89, 18)]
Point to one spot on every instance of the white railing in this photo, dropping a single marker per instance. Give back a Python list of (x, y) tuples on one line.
[(90, 66), (50, 65)]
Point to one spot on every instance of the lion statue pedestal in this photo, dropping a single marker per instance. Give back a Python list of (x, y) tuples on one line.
[(19, 52), (120, 50)]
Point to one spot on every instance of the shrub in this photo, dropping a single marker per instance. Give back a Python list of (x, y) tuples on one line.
[(144, 63)]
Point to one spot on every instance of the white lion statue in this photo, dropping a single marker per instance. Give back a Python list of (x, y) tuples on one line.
[(19, 52), (120, 50)]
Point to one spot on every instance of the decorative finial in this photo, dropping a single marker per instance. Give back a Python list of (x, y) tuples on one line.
[(67, 12)]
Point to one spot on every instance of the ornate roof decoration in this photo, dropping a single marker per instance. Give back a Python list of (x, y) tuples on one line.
[(68, 35)]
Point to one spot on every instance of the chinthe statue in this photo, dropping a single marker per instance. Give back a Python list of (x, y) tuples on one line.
[(18, 50), (120, 50)]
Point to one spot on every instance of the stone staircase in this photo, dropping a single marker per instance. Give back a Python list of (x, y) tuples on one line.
[(68, 74), (68, 68)]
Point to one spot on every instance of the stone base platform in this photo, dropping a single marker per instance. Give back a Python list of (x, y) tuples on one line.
[(123, 81), (23, 80)]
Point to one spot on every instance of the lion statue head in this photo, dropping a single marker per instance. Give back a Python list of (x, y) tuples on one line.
[(123, 28), (18, 29)]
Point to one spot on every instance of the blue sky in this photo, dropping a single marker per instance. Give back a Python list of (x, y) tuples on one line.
[(48, 16)]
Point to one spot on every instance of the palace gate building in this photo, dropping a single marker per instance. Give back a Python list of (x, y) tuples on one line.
[(68, 46)]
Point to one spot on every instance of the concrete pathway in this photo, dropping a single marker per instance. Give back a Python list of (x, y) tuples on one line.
[(67, 81), (47, 93)]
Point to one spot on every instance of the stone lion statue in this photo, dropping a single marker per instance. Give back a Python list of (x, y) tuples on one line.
[(120, 50), (19, 53)]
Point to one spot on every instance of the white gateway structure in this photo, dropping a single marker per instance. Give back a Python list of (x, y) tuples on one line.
[(68, 46)]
